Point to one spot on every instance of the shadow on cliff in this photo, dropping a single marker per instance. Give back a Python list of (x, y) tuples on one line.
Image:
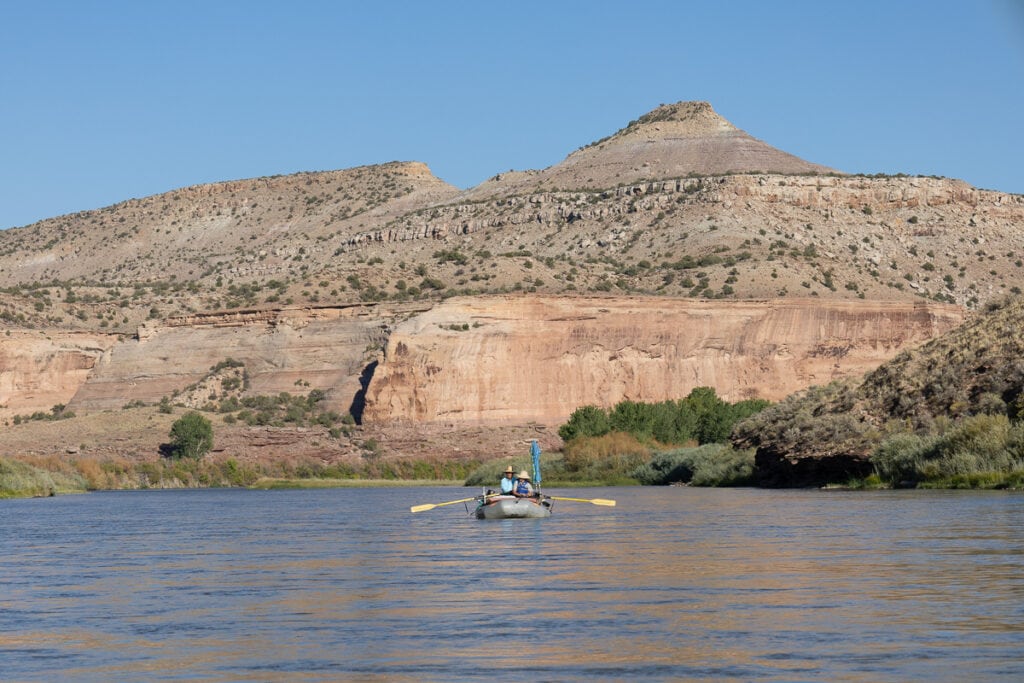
[(359, 400)]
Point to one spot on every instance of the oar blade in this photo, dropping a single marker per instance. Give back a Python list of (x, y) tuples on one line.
[(595, 501), (422, 508)]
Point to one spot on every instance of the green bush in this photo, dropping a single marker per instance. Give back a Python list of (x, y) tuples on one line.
[(707, 465), (701, 417), (191, 436), (981, 448), (585, 421)]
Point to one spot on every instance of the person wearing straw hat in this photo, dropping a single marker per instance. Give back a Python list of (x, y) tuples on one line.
[(523, 487), (508, 482)]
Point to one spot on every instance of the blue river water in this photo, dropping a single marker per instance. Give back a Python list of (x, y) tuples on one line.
[(671, 584)]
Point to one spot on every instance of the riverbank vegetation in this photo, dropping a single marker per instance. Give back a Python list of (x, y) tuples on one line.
[(620, 460), (948, 414), (36, 476), (633, 443), (21, 480), (983, 451)]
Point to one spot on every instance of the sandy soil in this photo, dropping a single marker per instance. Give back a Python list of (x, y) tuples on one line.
[(137, 434)]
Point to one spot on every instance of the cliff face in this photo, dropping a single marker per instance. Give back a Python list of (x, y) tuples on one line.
[(484, 360), (283, 350), (520, 359), (40, 370)]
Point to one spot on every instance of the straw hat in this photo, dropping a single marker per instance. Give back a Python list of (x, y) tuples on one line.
[(509, 470), (524, 475)]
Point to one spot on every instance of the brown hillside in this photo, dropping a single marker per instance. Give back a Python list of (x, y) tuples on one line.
[(395, 232)]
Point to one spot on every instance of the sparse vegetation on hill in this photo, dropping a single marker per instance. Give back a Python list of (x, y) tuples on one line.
[(394, 232)]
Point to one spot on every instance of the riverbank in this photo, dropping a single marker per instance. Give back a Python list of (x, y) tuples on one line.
[(40, 477), (279, 484)]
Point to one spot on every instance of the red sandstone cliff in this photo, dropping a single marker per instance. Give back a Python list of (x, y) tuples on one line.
[(526, 358), (486, 360)]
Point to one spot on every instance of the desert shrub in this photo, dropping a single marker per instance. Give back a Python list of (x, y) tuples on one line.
[(900, 458), (232, 473), (978, 445), (92, 474), (819, 418), (668, 467), (608, 458), (707, 465)]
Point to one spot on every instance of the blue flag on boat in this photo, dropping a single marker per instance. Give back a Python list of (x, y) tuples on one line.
[(535, 451)]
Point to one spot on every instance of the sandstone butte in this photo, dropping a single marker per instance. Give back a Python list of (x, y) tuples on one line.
[(680, 181)]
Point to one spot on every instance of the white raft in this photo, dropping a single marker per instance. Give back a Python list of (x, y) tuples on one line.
[(510, 507)]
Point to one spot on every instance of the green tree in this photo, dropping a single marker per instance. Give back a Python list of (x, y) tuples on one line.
[(633, 418), (191, 436), (585, 421)]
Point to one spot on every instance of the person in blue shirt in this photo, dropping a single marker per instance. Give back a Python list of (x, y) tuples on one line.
[(508, 483), (523, 488)]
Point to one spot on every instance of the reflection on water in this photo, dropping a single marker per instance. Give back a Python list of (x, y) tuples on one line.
[(672, 584)]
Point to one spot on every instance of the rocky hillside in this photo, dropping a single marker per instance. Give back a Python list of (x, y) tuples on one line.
[(827, 433), (679, 203)]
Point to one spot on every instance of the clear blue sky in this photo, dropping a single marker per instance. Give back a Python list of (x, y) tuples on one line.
[(105, 101)]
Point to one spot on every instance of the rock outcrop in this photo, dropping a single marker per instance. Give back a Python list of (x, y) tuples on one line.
[(39, 371), (499, 360), (524, 358), (672, 141), (292, 350)]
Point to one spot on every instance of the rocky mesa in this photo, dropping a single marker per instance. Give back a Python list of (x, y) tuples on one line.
[(677, 252)]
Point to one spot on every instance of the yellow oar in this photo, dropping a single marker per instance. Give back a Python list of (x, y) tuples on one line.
[(595, 501), (431, 506)]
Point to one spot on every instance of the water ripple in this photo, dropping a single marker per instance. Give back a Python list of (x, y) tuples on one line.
[(672, 584)]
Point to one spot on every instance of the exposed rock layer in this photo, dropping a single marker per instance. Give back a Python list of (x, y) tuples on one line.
[(39, 371), (485, 360), (517, 359), (290, 350)]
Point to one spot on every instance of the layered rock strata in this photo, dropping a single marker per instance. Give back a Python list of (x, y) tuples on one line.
[(41, 370), (529, 358), (472, 361), (292, 350)]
